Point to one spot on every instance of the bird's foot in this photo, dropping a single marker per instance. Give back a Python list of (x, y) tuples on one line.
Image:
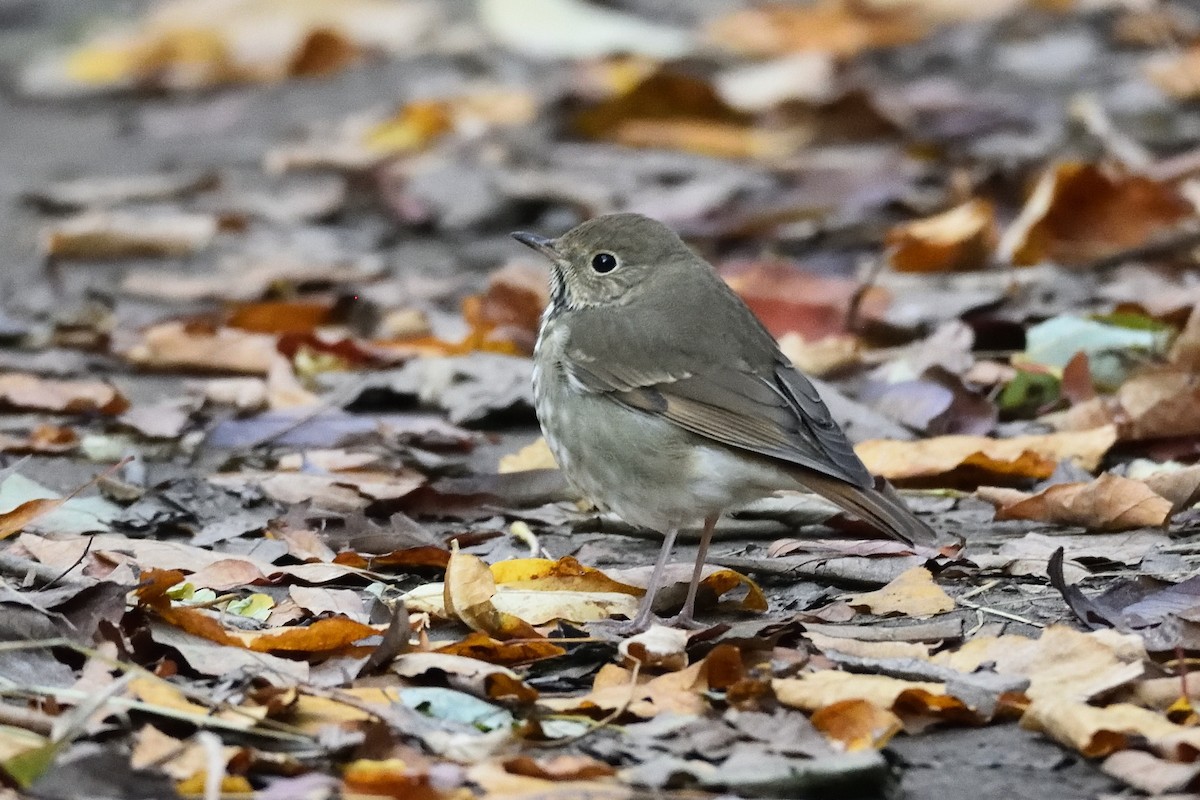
[(683, 620)]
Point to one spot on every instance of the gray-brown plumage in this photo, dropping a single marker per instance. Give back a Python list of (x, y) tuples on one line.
[(666, 401)]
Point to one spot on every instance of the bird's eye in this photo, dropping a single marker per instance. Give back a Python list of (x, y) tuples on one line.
[(604, 262)]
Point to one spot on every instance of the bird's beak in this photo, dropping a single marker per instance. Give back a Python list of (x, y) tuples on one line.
[(540, 243)]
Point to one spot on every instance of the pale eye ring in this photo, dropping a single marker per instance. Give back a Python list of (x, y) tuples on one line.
[(604, 262)]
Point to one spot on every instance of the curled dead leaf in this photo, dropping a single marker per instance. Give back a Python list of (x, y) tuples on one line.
[(1109, 503), (467, 594), (964, 460), (962, 238), (1081, 212)]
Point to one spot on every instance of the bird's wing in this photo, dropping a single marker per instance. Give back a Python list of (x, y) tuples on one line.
[(741, 393)]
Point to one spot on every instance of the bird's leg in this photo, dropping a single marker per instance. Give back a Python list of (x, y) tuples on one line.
[(645, 614), (686, 618)]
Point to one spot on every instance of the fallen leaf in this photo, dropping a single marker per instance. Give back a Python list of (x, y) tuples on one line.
[(827, 26), (468, 593), (1062, 664), (196, 44), (946, 460), (126, 234), (1109, 503), (913, 593), (857, 724), (914, 702), (536, 455), (676, 111), (487, 681), (789, 299), (1078, 213), (1098, 732), (335, 491), (176, 345), (962, 238), (25, 392), (540, 590), (481, 647)]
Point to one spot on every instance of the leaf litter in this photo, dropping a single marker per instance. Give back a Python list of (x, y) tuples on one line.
[(336, 556)]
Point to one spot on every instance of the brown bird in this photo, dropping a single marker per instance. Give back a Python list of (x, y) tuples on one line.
[(666, 401)]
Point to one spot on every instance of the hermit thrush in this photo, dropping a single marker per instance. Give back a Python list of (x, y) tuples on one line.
[(665, 400)]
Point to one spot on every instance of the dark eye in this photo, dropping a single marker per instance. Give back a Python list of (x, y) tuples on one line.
[(604, 262)]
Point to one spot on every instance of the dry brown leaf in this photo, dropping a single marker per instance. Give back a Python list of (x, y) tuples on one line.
[(1097, 732), (176, 345), (126, 234), (1062, 664), (962, 238), (1109, 503), (194, 44), (857, 724), (913, 593), (419, 124), (481, 647), (467, 595), (338, 491), (867, 649), (915, 702), (975, 459), (1157, 403), (539, 590), (679, 692), (327, 635), (827, 26), (159, 693), (671, 110), (1081, 212), (24, 392), (467, 675), (391, 777), (1185, 350)]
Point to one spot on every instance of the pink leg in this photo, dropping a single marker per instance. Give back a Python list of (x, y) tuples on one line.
[(686, 617), (645, 614)]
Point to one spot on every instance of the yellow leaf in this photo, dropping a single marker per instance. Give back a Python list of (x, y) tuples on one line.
[(913, 593)]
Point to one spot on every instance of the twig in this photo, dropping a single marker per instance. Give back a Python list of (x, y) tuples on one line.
[(87, 548), (998, 613), (978, 590)]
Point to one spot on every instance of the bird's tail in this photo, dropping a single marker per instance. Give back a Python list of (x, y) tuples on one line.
[(881, 506)]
